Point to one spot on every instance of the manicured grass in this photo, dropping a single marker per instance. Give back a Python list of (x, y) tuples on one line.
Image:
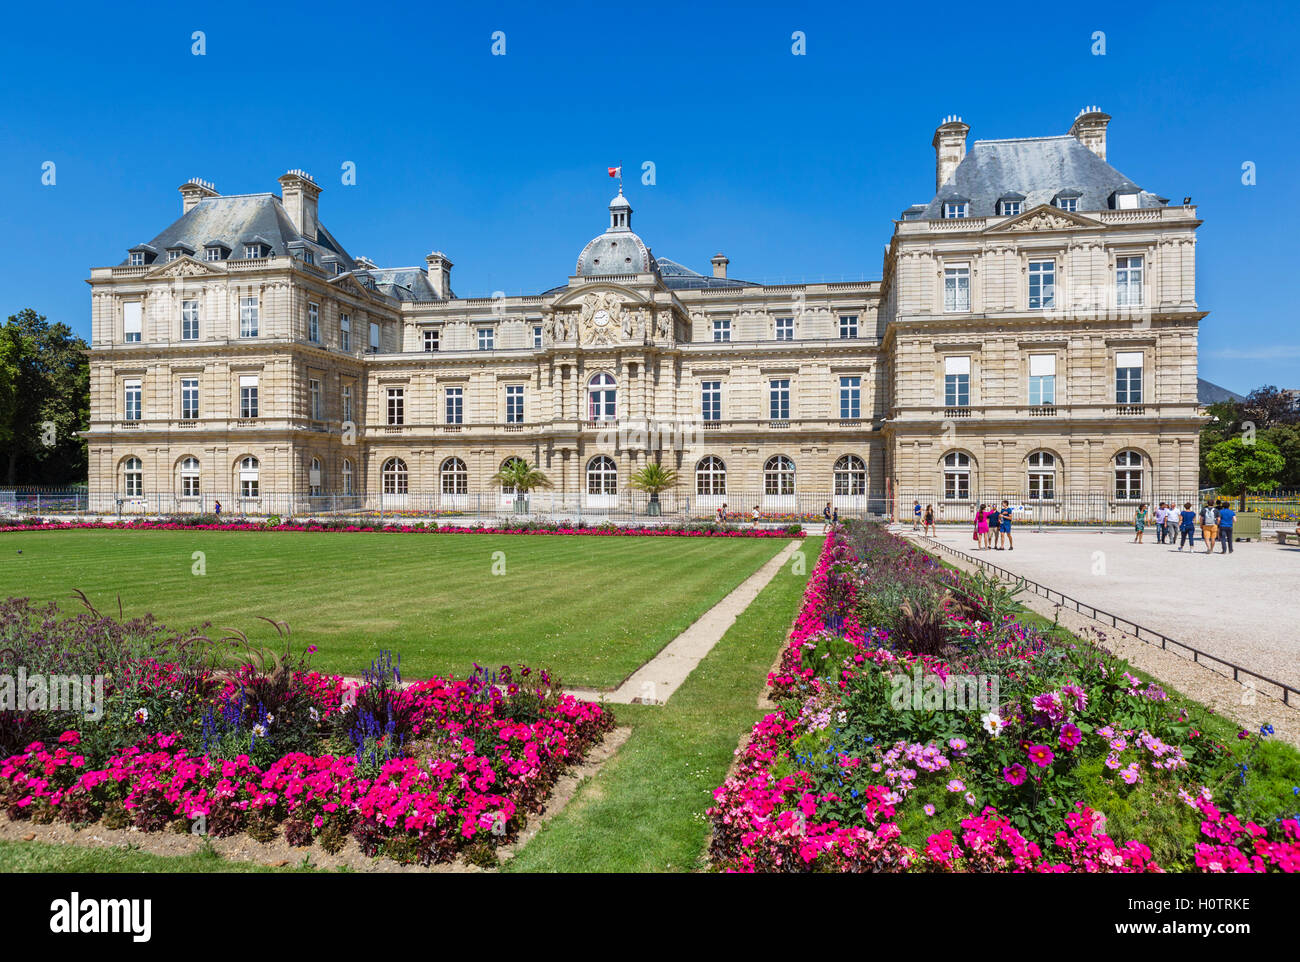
[(644, 810), (591, 609), (53, 857)]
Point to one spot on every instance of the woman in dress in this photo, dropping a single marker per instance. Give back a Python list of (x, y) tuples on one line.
[(982, 527), (928, 525), (1139, 523)]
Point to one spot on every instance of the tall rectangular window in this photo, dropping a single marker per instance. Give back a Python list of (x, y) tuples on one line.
[(779, 399), (1128, 281), (1128, 377), (134, 393), (956, 382), (1042, 285), (345, 332), (1042, 379), (722, 329), (189, 320), (955, 208), (711, 400), (374, 338), (347, 402), (486, 338), (514, 404), (848, 326), (396, 406), (248, 319), (313, 323), (432, 340), (850, 397), (189, 398), (455, 405), (248, 395), (785, 328), (316, 398), (132, 320), (537, 336), (956, 288)]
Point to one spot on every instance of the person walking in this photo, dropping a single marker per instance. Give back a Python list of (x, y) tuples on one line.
[(929, 520), (826, 513), (1159, 518), (835, 515), (218, 507), (982, 527), (1139, 523), (1187, 524), (1226, 518), (1209, 525), (756, 516), (1004, 526), (722, 513), (1172, 521), (916, 515)]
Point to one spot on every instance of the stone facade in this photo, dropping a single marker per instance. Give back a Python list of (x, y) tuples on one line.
[(370, 383)]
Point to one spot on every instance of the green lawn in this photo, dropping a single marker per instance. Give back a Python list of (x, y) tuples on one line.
[(644, 810), (53, 857), (592, 609)]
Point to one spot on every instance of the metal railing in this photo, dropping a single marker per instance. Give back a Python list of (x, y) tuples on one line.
[(1127, 626)]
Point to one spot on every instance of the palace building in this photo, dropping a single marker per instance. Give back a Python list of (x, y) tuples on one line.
[(1033, 336)]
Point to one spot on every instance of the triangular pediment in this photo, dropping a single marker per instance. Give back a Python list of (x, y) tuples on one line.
[(184, 266), (1044, 218), (348, 283)]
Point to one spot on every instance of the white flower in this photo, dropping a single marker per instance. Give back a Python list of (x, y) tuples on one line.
[(141, 715), (259, 730), (993, 723), (313, 714)]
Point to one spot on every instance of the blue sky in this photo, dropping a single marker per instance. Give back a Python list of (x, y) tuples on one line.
[(794, 166)]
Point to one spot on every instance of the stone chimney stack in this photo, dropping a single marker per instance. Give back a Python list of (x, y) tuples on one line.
[(440, 274), (298, 194), (720, 263), (1089, 128), (949, 148), (193, 191)]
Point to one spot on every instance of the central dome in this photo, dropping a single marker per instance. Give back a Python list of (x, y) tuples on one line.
[(618, 250)]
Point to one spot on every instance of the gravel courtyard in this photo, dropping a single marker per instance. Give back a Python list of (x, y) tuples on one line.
[(1244, 606)]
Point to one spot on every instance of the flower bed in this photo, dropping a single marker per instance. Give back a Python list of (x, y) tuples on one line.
[(924, 727), (420, 773), (540, 528)]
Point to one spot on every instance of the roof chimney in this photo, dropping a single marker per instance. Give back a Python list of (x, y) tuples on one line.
[(440, 274), (720, 263), (193, 191), (949, 148), (1089, 128), (298, 194)]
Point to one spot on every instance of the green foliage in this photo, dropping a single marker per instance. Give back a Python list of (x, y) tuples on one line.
[(44, 401), (521, 476), (1238, 467), (653, 478)]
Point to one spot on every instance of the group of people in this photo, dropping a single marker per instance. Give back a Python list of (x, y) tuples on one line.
[(926, 524), (992, 527), (757, 515), (1215, 519)]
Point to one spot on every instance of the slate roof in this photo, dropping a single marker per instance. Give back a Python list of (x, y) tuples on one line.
[(1041, 168), (403, 283), (1208, 393), (237, 218)]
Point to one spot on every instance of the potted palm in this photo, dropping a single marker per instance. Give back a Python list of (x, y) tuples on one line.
[(654, 478), (518, 475)]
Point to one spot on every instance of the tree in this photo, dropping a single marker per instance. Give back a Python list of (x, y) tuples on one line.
[(44, 401), (1238, 467), (654, 478), (522, 477), (1267, 406)]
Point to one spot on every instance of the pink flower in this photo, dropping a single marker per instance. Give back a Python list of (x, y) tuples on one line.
[(1041, 755), (1014, 774), (1070, 736), (956, 785)]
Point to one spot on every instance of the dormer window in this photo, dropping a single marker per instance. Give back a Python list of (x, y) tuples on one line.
[(141, 255), (172, 255), (308, 257), (254, 250), (1124, 200), (137, 259), (955, 208), (215, 251), (1068, 200), (1010, 208)]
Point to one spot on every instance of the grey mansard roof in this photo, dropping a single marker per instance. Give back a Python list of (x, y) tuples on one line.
[(1040, 168), (240, 218), (403, 283)]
